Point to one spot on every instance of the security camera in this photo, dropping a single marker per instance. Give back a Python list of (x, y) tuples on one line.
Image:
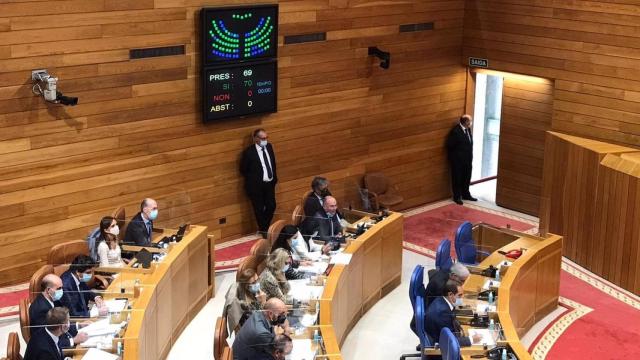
[(382, 55), (46, 86)]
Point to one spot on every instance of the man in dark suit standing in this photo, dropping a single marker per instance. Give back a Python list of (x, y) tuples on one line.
[(140, 227), (258, 166), (43, 345), (460, 151), (440, 315), (48, 299)]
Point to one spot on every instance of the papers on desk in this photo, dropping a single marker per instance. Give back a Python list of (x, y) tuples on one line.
[(505, 263), (484, 308), (302, 291), (116, 305), (302, 350), (96, 354), (314, 268), (490, 284), (341, 259), (101, 327), (487, 336)]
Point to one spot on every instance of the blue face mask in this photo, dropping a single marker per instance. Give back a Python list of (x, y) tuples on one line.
[(153, 214), (458, 302), (295, 241), (254, 288), (85, 277), (57, 295), (285, 268), (263, 143)]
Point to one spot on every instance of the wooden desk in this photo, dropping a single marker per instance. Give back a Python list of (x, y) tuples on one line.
[(530, 288), (169, 297), (375, 269)]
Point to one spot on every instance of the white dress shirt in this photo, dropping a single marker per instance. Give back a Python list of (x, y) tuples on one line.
[(265, 175)]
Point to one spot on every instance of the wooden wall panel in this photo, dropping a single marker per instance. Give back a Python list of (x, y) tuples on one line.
[(527, 107), (589, 49), (591, 195), (137, 130)]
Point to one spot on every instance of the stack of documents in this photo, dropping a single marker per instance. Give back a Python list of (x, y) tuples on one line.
[(116, 306), (302, 291), (483, 308), (487, 336), (340, 259), (95, 354), (315, 268), (302, 350), (101, 327)]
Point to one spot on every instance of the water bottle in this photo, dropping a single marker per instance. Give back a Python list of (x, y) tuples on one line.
[(490, 297), (504, 354), (316, 337), (497, 274), (317, 306), (491, 325)]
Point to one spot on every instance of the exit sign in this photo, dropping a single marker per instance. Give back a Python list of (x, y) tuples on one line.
[(478, 62)]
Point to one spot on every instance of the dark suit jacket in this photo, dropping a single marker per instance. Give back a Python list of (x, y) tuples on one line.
[(137, 231), (251, 168), (328, 229), (42, 347), (76, 302), (312, 204), (254, 339), (440, 316), (38, 317), (459, 147), (435, 286)]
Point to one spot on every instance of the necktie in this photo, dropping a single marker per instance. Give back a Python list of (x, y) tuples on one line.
[(266, 163), (149, 229), (468, 132)]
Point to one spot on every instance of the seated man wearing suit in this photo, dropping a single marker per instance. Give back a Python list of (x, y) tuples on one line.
[(255, 338), (140, 228), (43, 344), (315, 199), (48, 299), (457, 273), (281, 347), (76, 293), (324, 225), (440, 315)]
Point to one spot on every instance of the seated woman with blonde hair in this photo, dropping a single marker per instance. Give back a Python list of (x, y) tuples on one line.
[(272, 279)]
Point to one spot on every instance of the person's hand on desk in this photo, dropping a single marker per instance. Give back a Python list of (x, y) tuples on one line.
[(306, 263), (326, 249), (475, 338), (80, 338)]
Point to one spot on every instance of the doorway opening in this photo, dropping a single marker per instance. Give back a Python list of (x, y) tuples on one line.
[(487, 109)]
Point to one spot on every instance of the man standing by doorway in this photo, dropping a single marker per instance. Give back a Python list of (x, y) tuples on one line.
[(460, 152), (258, 166)]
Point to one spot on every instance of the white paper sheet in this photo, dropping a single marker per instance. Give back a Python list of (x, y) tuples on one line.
[(487, 336), (491, 283), (315, 268), (302, 350), (483, 308), (302, 291), (101, 327), (96, 354), (116, 305), (341, 259)]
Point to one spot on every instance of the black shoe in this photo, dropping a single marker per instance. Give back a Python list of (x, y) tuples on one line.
[(470, 198), (458, 201)]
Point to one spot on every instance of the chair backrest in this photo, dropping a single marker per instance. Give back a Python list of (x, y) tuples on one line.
[(419, 313), (25, 321), (417, 279), (464, 244), (36, 280), (227, 354), (249, 262), (449, 346), (64, 253), (297, 216), (376, 182), (274, 230), (261, 250), (443, 255), (220, 337), (120, 215), (13, 347)]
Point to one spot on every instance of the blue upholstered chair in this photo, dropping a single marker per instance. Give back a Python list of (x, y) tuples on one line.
[(449, 345), (443, 255), (466, 250), (416, 290)]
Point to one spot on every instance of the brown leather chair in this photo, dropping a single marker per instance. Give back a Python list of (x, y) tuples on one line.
[(261, 250), (13, 347), (274, 230), (304, 198), (297, 216), (120, 215), (250, 262), (25, 321), (381, 192), (62, 255), (36, 280), (227, 354), (220, 337)]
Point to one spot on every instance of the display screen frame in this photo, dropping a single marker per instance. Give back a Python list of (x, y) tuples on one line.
[(204, 12), (205, 93)]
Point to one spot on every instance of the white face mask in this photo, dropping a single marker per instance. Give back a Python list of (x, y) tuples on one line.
[(115, 230), (263, 143)]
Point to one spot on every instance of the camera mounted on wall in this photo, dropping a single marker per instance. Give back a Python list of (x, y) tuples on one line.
[(45, 85)]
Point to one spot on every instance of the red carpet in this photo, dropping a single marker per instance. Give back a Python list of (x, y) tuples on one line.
[(9, 299), (229, 254)]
